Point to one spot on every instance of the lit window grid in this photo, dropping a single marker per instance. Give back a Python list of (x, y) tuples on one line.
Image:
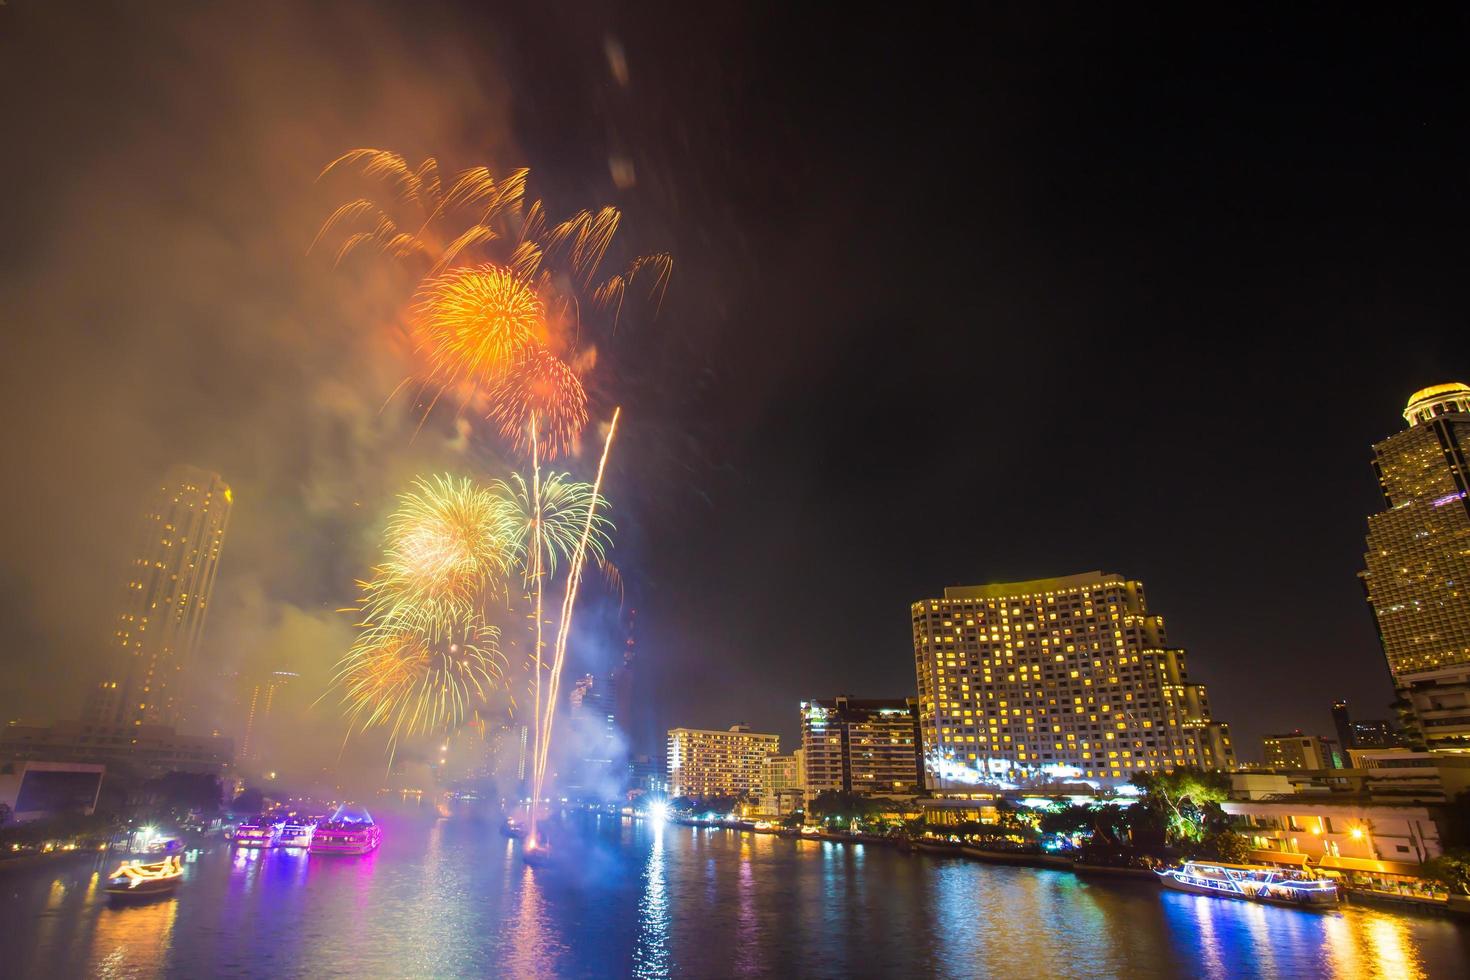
[(980, 660)]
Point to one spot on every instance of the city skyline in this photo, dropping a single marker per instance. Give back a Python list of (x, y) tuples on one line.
[(1038, 399)]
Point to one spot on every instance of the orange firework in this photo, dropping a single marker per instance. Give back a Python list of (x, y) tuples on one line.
[(538, 384), (471, 324)]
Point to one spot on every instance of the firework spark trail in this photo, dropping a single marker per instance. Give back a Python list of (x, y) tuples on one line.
[(574, 581), (536, 583)]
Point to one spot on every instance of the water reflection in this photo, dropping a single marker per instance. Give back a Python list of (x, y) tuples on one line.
[(651, 955), (455, 899), (133, 940)]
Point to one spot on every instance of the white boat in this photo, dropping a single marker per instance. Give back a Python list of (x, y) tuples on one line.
[(297, 832), (1250, 882), (261, 832)]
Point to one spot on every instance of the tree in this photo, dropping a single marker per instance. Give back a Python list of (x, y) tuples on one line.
[(1184, 804), (1452, 868), (250, 800)]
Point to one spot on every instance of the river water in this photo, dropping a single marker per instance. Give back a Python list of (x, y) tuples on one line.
[(450, 897)]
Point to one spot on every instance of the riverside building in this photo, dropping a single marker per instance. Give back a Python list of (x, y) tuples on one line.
[(1417, 566), (1060, 678), (864, 746), (705, 762)]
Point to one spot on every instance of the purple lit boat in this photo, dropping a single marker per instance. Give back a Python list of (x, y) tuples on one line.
[(350, 830)]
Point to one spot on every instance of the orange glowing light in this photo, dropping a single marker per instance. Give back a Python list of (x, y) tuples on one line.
[(472, 323)]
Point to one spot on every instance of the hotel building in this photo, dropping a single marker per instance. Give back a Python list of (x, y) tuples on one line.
[(704, 762), (864, 746), (1417, 566), (173, 563), (1067, 677)]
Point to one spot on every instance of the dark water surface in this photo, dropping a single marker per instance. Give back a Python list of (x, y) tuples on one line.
[(451, 898)]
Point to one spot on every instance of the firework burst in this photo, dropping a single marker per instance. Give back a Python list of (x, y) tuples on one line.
[(567, 508), (416, 676), (448, 546), (538, 384), (473, 324)]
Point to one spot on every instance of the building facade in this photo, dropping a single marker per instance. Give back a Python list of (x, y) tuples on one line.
[(174, 559), (151, 750), (704, 762), (782, 791), (864, 746), (1066, 678), (1417, 566), (263, 695), (1293, 750)]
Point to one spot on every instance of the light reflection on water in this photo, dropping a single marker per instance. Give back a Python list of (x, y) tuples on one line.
[(451, 898)]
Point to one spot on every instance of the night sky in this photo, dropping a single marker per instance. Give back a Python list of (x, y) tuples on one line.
[(954, 302)]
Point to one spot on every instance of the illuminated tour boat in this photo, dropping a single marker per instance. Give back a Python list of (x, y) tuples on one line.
[(1251, 882), (134, 879), (349, 831), (297, 832), (263, 831)]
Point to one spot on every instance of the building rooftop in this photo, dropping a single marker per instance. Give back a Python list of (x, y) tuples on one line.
[(1063, 583), (1426, 403)]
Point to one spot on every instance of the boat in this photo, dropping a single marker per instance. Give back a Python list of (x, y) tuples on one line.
[(1250, 882), (350, 830), (136, 880), (262, 831), (512, 828), (297, 832)]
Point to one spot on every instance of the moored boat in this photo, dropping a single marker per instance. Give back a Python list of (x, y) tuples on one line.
[(1250, 882), (136, 880), (349, 831)]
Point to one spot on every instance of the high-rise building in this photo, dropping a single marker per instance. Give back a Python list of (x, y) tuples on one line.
[(174, 559), (624, 689), (703, 762), (1067, 678), (1373, 733), (596, 743), (263, 695), (865, 746), (1417, 574), (1293, 750)]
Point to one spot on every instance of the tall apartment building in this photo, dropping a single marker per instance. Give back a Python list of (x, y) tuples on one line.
[(864, 746), (1070, 677), (263, 694), (1293, 750), (704, 762), (1417, 566), (174, 559)]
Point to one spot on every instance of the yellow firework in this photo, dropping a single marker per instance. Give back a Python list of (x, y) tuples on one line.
[(448, 546), (567, 513), (472, 324), (416, 678)]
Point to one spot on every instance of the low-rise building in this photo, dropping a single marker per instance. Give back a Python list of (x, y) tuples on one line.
[(1293, 750), (782, 790), (1338, 834), (35, 790)]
